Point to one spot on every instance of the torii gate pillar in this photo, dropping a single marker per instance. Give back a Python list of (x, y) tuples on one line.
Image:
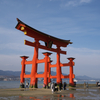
[(71, 75), (47, 69), (58, 65), (34, 65), (23, 68)]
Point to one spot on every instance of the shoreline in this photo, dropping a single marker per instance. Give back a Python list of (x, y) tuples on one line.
[(41, 91), (78, 92)]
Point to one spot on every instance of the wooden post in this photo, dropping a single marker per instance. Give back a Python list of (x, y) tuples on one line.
[(33, 81), (71, 75), (46, 70), (23, 68), (49, 71), (58, 70)]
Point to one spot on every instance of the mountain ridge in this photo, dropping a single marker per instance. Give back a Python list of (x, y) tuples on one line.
[(17, 74)]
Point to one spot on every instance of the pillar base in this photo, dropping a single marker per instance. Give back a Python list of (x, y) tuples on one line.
[(71, 85), (22, 85), (33, 86), (46, 87)]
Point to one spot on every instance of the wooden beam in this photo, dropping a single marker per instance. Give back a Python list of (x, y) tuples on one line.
[(66, 76), (27, 76), (29, 31), (28, 62), (41, 61), (39, 75), (54, 65), (65, 64), (42, 47)]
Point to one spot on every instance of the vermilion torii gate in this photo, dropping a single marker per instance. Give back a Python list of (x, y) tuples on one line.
[(49, 41)]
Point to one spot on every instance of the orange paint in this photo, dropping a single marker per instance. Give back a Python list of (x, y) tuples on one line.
[(23, 68), (71, 75)]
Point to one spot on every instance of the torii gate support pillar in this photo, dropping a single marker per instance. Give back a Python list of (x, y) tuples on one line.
[(33, 81), (46, 69), (23, 69), (58, 66), (71, 75)]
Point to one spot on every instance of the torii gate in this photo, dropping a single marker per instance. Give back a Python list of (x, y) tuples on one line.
[(49, 40)]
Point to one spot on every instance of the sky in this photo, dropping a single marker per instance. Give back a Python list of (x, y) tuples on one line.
[(74, 20)]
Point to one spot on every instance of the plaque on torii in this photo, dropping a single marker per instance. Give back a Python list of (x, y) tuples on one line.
[(49, 41)]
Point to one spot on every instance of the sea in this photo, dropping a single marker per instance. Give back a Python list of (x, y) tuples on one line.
[(16, 84)]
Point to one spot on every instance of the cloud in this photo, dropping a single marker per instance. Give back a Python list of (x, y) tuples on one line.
[(10, 62), (7, 31), (15, 46), (12, 42), (74, 3), (83, 51), (85, 60), (10, 34), (85, 1)]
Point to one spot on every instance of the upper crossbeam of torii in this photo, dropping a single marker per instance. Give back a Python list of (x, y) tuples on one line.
[(49, 41)]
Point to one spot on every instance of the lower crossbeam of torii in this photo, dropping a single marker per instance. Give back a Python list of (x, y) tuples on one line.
[(49, 41)]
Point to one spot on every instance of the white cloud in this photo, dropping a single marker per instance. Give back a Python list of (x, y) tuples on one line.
[(38, 5), (10, 62), (7, 31), (85, 60), (75, 3), (13, 41), (15, 46), (71, 3), (83, 51), (85, 1)]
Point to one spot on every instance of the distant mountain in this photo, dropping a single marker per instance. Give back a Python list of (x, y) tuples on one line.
[(84, 78), (11, 73), (52, 73), (17, 74)]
